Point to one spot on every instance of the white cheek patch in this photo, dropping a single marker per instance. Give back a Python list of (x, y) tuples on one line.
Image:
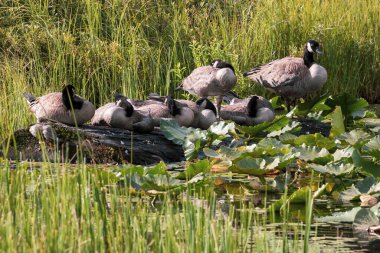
[(204, 103), (309, 48), (215, 64)]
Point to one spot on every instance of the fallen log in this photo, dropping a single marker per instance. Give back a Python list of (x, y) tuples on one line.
[(57, 142), (94, 144)]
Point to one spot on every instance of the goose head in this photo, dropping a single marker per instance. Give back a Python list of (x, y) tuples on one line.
[(183, 115), (218, 63), (123, 102), (312, 46), (68, 98), (206, 104)]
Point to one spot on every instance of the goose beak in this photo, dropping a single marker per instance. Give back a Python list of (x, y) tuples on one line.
[(319, 51)]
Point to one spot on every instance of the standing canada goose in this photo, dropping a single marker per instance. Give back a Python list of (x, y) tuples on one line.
[(292, 77), (250, 111), (63, 107), (213, 80), (204, 110), (184, 116), (121, 114)]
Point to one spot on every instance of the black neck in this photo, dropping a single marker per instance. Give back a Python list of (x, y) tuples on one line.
[(210, 106), (252, 107), (69, 100), (129, 109), (308, 58), (173, 108)]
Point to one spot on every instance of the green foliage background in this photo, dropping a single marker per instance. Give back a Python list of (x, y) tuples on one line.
[(137, 47)]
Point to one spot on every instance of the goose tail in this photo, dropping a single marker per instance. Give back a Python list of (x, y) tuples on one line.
[(179, 88), (29, 98), (253, 71)]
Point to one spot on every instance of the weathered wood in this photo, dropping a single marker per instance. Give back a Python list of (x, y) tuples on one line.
[(95, 144), (98, 144)]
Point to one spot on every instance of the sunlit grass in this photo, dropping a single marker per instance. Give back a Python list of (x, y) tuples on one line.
[(137, 47), (58, 207)]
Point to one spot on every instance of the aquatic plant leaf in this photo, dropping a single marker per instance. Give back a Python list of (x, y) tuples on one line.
[(160, 182), (347, 216), (316, 139), (223, 153), (334, 168), (251, 166), (291, 127), (193, 169), (349, 194), (349, 104), (194, 142), (364, 219), (337, 122), (158, 169), (374, 188), (372, 147), (317, 105), (367, 185), (173, 132), (368, 167), (308, 153), (271, 146), (355, 138), (277, 103), (299, 196), (131, 169), (275, 125), (221, 127), (340, 154)]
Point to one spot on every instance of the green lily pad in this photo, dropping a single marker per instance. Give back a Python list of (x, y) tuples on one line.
[(193, 169), (372, 147), (316, 139), (333, 168), (356, 137), (173, 132), (251, 166), (337, 122), (313, 154), (368, 167)]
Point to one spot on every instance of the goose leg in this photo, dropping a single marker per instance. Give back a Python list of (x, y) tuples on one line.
[(219, 100), (287, 103)]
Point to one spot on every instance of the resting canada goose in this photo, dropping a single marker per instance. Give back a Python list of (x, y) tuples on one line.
[(184, 116), (292, 77), (121, 114), (250, 111), (204, 110), (59, 106), (213, 80)]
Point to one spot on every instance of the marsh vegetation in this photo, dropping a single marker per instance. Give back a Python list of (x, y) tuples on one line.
[(261, 188)]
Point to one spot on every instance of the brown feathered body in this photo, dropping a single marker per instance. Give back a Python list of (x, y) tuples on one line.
[(51, 107), (289, 77), (209, 81), (244, 112), (115, 115)]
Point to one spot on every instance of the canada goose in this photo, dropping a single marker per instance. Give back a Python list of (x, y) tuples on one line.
[(59, 106), (184, 116), (204, 110), (250, 111), (213, 80), (292, 77), (121, 114)]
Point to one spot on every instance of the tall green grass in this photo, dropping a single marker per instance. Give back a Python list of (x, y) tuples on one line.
[(62, 208), (137, 47)]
